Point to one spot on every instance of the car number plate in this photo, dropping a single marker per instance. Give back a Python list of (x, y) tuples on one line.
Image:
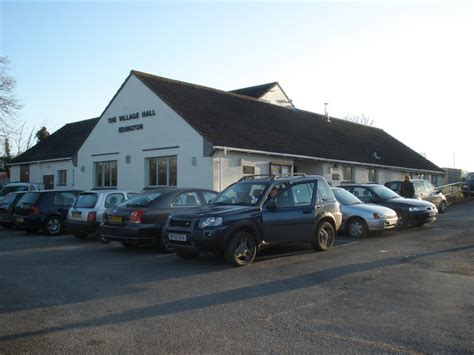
[(19, 220), (115, 219), (76, 214), (177, 237)]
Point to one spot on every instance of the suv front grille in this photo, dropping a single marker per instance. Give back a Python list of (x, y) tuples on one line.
[(180, 223)]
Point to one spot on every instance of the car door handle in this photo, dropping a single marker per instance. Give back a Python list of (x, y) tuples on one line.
[(306, 210)]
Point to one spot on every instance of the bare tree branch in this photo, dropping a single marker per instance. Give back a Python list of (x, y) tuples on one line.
[(361, 119)]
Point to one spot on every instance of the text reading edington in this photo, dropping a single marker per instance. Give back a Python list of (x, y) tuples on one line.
[(131, 116)]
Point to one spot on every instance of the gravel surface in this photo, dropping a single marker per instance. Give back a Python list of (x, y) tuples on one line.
[(393, 292)]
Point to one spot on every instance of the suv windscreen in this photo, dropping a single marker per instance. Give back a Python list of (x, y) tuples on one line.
[(30, 198), (470, 177), (141, 200), (242, 193), (86, 200)]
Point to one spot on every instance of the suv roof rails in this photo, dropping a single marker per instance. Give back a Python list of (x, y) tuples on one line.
[(252, 177), (271, 176), (279, 176)]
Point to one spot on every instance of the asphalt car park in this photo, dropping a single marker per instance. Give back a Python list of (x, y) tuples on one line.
[(393, 292)]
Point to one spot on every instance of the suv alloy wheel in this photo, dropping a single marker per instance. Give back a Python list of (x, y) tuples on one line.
[(325, 236), (241, 250)]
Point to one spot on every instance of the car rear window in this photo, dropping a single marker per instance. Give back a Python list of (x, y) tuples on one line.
[(86, 200), (7, 189), (30, 198), (141, 200)]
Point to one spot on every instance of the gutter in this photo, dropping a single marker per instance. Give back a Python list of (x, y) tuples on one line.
[(40, 161), (251, 151)]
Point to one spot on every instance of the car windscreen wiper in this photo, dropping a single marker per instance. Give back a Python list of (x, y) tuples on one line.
[(135, 205)]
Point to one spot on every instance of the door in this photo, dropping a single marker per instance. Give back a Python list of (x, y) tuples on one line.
[(293, 217), (48, 182), (421, 190)]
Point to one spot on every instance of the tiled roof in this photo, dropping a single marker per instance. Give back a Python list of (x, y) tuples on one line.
[(255, 91), (236, 121), (63, 143)]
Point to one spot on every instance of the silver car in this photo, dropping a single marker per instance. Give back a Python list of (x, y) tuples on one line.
[(86, 213), (359, 218)]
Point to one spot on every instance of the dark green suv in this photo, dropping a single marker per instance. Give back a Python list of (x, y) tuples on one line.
[(254, 212)]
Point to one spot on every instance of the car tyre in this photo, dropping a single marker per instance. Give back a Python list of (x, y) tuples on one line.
[(356, 228), (402, 220), (165, 247), (53, 225), (186, 254), (241, 250), (324, 236), (443, 206)]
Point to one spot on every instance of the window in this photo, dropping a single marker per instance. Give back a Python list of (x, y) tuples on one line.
[(279, 169), (347, 173), (113, 200), (324, 191), (372, 175), (302, 194), (209, 196), (162, 171), (62, 177), (363, 194), (64, 198), (106, 174), (420, 187), (86, 200), (186, 199)]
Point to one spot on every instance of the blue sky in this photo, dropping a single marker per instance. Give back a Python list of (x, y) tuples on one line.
[(407, 65)]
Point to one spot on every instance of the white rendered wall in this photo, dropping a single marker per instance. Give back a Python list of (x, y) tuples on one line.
[(165, 129), (228, 168), (38, 170)]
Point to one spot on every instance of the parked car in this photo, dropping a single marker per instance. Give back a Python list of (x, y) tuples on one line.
[(46, 210), (7, 207), (409, 211), (245, 217), (424, 190), (139, 221), (20, 186), (359, 218), (468, 186), (85, 215)]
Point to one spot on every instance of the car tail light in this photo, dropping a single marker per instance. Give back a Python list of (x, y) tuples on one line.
[(35, 210), (136, 216), (91, 217)]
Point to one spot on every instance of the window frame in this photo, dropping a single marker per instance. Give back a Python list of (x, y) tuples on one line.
[(61, 182), (106, 166), (156, 159), (344, 170)]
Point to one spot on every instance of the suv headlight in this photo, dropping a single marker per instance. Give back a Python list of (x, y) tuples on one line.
[(416, 209), (210, 222)]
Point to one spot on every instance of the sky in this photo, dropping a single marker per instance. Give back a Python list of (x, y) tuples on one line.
[(408, 65)]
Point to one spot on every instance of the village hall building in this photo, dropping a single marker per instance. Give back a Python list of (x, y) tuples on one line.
[(162, 132)]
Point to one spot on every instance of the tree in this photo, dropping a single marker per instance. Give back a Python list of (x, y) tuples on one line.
[(7, 150), (9, 104), (41, 134), (11, 128), (361, 119)]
